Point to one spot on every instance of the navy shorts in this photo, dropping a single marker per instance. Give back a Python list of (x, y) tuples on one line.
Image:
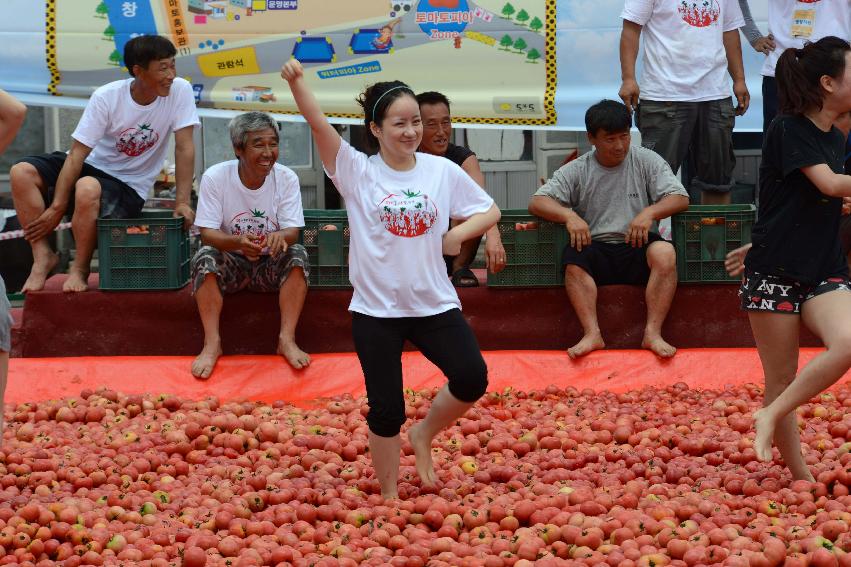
[(775, 294), (611, 263), (117, 199)]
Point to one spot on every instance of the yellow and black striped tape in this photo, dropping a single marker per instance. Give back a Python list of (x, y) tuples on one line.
[(50, 45)]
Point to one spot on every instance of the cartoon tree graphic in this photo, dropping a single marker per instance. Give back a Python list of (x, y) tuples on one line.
[(115, 57), (536, 24), (102, 10), (109, 32), (520, 45), (533, 56), (522, 16), (506, 42), (508, 9)]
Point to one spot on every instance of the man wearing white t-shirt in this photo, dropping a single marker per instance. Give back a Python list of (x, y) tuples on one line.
[(685, 106), (792, 23), (117, 150), (249, 213)]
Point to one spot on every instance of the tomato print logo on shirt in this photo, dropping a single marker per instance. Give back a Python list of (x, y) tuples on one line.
[(253, 223), (809, 1), (136, 141), (409, 214), (701, 13)]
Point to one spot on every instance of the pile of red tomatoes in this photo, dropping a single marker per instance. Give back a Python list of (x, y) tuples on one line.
[(555, 477)]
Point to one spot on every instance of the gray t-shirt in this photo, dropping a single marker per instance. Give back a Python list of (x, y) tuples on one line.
[(608, 198)]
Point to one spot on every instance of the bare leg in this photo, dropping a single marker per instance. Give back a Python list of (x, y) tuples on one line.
[(385, 453), (582, 292), (661, 287), (27, 193), (291, 300), (209, 300), (84, 227), (445, 409), (776, 338), (827, 316)]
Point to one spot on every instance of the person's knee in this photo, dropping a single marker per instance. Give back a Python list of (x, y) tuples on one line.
[(22, 177), (87, 193), (662, 257), (469, 382), (385, 421)]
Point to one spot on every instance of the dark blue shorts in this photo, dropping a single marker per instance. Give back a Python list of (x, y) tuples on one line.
[(611, 263), (117, 199)]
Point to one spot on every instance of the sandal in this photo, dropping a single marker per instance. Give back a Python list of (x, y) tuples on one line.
[(464, 277)]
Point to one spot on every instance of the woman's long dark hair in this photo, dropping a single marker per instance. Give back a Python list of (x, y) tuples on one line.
[(799, 73)]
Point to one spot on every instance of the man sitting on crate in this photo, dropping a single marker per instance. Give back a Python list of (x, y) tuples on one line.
[(117, 150), (610, 200), (437, 130), (249, 213)]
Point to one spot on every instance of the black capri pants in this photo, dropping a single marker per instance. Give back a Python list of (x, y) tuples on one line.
[(444, 339)]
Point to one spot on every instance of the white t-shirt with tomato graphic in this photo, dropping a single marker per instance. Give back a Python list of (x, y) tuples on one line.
[(224, 203), (684, 57), (397, 220), (129, 140)]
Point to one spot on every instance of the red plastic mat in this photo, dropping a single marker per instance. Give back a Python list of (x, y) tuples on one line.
[(269, 378)]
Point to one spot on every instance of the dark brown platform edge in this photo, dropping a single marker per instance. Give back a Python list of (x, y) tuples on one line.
[(98, 323)]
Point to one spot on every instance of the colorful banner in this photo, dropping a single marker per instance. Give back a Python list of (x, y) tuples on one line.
[(523, 63)]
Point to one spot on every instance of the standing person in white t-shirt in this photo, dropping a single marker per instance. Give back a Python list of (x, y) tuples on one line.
[(117, 150), (249, 213), (792, 23), (685, 106), (399, 204)]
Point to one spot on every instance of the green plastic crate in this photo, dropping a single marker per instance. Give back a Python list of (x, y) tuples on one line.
[(146, 253), (704, 234), (533, 255), (328, 250)]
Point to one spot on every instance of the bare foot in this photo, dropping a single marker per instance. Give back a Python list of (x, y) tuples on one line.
[(589, 343), (39, 273), (204, 363), (422, 452), (77, 281), (808, 477), (658, 346), (764, 427), (297, 358)]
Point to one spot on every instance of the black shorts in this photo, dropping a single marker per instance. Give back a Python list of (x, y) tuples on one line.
[(117, 199), (775, 294), (611, 263)]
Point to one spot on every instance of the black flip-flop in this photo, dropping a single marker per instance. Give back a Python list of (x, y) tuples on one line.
[(464, 277)]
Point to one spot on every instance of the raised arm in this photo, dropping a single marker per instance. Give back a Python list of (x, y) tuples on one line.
[(12, 113), (327, 138)]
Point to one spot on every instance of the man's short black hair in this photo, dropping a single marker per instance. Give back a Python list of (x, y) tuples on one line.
[(608, 115), (433, 97), (143, 49)]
